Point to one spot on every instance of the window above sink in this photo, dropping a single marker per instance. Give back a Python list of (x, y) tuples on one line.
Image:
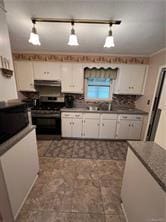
[(98, 89)]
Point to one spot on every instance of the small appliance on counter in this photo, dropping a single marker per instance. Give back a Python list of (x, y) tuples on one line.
[(69, 101)]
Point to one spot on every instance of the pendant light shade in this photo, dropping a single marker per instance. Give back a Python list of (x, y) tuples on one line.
[(73, 40), (34, 37), (109, 41)]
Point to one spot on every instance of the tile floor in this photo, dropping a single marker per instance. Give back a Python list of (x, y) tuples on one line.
[(74, 190), (87, 149)]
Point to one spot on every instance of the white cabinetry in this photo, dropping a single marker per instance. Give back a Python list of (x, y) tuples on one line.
[(91, 125), (24, 75), (72, 78), (142, 197), (103, 126), (130, 79), (129, 127), (72, 125), (47, 70), (108, 126), (162, 104), (20, 167)]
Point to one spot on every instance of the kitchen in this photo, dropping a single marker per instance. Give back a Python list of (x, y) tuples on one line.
[(86, 122)]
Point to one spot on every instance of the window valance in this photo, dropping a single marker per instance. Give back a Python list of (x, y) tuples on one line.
[(100, 73)]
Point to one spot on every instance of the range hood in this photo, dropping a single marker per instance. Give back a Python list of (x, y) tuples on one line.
[(47, 83)]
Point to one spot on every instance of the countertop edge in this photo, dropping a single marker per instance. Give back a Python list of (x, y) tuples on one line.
[(154, 175), (139, 112), (7, 145)]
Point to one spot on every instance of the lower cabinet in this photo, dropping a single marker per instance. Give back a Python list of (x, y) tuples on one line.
[(143, 199), (72, 125), (108, 125), (19, 167), (101, 126), (129, 127), (91, 128)]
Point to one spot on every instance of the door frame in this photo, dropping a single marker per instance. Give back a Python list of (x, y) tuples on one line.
[(153, 100)]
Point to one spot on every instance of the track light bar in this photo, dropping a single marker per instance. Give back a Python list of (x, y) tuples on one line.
[(85, 21)]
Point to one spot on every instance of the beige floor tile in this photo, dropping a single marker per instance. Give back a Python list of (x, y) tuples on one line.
[(87, 199), (112, 218)]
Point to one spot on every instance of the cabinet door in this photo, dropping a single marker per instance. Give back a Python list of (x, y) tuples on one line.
[(66, 127), (131, 79), (77, 78), (67, 77), (47, 70), (77, 128), (135, 130), (91, 128), (24, 75), (108, 129), (123, 127)]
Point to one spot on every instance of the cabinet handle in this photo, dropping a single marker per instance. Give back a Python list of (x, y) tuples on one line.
[(124, 117), (129, 125), (103, 124)]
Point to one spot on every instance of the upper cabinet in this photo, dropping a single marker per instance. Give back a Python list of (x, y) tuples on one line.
[(24, 75), (131, 79), (47, 70), (72, 77)]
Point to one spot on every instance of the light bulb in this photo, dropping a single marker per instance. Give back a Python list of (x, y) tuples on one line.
[(34, 37), (109, 41), (73, 40)]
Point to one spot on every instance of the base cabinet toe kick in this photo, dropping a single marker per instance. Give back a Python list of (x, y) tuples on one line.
[(101, 126)]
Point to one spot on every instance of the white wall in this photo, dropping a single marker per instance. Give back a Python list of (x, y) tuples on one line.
[(160, 137), (156, 61), (7, 85)]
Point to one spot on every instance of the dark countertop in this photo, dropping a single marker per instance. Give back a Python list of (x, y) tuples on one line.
[(114, 111), (153, 157), (16, 138)]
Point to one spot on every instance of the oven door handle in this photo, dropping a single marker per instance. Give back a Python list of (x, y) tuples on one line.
[(46, 116)]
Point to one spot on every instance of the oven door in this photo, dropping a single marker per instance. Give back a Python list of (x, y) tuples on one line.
[(46, 124)]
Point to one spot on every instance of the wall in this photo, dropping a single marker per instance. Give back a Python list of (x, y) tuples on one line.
[(7, 85), (155, 62), (160, 134)]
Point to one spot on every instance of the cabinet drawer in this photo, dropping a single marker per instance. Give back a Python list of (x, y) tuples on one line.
[(109, 116), (78, 115), (91, 115), (71, 115), (130, 117), (67, 115)]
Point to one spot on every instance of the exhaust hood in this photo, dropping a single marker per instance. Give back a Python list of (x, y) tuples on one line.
[(47, 83)]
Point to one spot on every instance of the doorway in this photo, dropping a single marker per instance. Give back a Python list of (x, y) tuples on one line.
[(155, 115)]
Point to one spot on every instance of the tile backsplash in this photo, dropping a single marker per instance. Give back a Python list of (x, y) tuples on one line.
[(125, 101)]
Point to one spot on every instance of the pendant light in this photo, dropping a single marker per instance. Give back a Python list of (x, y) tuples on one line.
[(73, 40), (109, 41), (34, 37)]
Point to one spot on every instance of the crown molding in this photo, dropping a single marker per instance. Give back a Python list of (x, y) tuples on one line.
[(84, 58)]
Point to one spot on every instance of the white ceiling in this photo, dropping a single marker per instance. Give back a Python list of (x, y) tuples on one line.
[(142, 31)]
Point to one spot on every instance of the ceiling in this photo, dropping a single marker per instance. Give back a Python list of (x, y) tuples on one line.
[(142, 31)]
